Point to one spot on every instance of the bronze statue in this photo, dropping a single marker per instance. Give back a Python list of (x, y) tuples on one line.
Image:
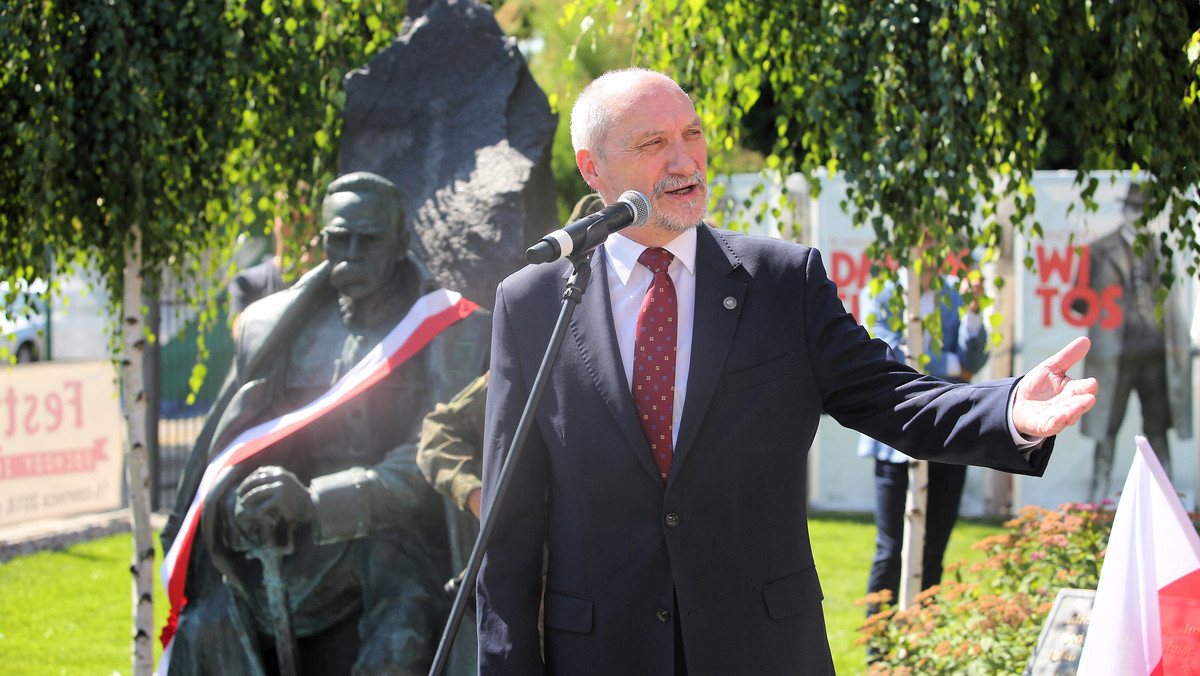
[(326, 551)]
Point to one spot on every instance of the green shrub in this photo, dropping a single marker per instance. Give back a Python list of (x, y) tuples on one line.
[(985, 618)]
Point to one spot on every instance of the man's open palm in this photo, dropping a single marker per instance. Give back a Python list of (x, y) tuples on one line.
[(1048, 400)]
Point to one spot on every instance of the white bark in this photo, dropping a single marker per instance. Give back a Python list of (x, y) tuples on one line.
[(137, 468), (913, 549)]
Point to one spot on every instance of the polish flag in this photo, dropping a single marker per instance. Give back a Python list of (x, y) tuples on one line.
[(1146, 617)]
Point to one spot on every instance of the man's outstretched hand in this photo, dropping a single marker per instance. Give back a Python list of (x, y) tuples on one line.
[(1048, 401)]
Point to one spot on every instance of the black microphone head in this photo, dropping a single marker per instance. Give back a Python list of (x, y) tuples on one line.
[(640, 205), (544, 251)]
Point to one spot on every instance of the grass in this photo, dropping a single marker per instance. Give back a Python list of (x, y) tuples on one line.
[(69, 612), (843, 545)]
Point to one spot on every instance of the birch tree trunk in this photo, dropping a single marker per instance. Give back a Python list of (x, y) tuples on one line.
[(133, 340), (912, 553)]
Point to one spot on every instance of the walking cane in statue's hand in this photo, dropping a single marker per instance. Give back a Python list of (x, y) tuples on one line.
[(270, 552)]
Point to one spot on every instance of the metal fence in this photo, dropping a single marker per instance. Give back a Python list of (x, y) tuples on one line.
[(177, 410)]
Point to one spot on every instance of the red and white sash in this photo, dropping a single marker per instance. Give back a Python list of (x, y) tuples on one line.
[(427, 318)]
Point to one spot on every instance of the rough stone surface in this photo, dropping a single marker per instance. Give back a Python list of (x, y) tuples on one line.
[(450, 113)]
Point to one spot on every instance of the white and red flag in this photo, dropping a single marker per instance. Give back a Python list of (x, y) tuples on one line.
[(1146, 617), (429, 315)]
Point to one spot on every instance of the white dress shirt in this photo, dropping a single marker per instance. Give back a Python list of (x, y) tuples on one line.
[(628, 281)]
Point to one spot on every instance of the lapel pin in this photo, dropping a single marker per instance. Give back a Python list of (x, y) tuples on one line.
[(730, 302)]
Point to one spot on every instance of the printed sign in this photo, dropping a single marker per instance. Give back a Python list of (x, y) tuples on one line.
[(1087, 281), (1081, 283), (840, 479), (61, 441), (1061, 641)]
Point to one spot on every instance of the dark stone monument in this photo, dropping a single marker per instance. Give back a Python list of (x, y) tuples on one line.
[(450, 113)]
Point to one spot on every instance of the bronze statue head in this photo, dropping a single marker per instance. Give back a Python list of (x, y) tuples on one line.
[(364, 232)]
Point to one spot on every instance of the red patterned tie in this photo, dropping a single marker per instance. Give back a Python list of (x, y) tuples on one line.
[(654, 358)]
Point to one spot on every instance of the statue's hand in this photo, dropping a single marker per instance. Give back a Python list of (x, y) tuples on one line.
[(270, 495)]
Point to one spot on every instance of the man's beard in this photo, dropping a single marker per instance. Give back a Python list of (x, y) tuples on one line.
[(673, 222)]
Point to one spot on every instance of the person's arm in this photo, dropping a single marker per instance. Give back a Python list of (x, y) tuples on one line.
[(864, 387), (356, 501), (449, 452), (966, 348), (343, 505)]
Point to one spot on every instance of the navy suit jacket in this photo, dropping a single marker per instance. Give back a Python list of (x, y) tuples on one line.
[(971, 351), (726, 537)]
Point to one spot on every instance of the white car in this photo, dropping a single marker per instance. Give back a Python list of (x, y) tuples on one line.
[(23, 327)]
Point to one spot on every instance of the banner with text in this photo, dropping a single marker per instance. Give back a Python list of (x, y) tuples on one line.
[(840, 479), (61, 440), (1084, 281), (1088, 281)]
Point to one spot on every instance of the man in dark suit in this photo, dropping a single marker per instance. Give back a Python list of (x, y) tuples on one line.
[(675, 540)]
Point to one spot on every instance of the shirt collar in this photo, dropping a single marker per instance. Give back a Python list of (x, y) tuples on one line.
[(623, 252)]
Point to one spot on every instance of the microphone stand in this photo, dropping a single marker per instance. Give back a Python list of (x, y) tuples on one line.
[(576, 286)]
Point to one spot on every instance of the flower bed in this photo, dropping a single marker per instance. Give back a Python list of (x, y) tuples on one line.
[(985, 618)]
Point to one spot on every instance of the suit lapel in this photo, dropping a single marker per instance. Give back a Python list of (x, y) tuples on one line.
[(592, 330), (719, 299)]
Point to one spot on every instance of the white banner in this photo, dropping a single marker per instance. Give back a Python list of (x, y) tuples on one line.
[(840, 479), (1054, 304), (1073, 291), (61, 440)]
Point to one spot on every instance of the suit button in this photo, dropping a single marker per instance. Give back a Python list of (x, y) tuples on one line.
[(662, 615), (672, 520)]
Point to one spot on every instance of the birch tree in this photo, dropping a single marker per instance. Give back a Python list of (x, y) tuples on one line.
[(144, 136)]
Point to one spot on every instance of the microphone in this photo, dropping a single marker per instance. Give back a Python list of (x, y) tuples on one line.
[(631, 209)]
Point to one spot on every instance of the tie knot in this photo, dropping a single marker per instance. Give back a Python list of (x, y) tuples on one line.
[(656, 260)]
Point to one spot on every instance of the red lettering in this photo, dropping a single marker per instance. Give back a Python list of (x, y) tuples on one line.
[(1085, 266), (1089, 297), (1113, 316), (10, 398), (75, 399), (1047, 294), (954, 263), (1058, 262), (54, 408), (846, 273), (31, 425)]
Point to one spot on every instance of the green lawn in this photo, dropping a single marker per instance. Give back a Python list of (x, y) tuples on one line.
[(843, 545), (70, 612)]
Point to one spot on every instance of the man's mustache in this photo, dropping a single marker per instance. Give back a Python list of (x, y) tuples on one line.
[(350, 270), (676, 182)]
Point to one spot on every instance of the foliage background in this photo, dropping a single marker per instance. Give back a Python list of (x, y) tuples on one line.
[(937, 109)]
